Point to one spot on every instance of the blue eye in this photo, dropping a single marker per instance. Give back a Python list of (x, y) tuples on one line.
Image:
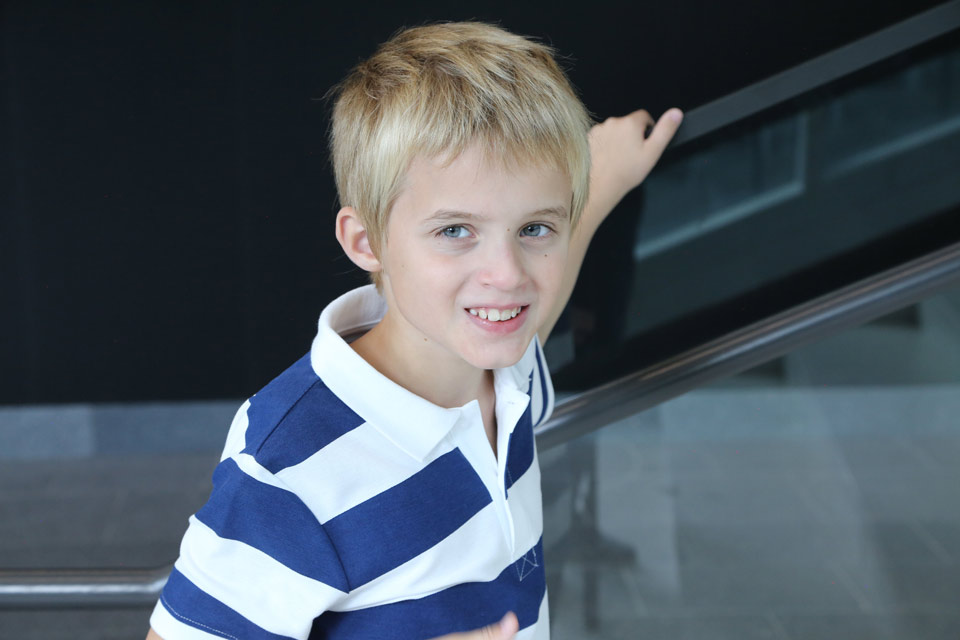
[(535, 230), (454, 231)]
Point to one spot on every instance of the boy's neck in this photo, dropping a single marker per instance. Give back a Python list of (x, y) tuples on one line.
[(444, 382)]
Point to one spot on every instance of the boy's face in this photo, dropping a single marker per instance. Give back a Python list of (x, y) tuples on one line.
[(464, 240)]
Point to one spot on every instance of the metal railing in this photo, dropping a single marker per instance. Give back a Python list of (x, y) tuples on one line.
[(753, 345), (594, 409)]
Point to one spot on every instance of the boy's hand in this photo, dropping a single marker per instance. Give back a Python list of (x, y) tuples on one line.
[(506, 629), (621, 157)]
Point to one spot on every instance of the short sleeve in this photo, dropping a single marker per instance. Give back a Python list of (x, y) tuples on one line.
[(254, 563), (541, 386)]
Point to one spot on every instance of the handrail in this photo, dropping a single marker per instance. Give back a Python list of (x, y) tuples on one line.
[(752, 345), (586, 412), (818, 72), (43, 588)]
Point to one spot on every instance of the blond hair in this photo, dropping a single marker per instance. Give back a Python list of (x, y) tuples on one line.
[(439, 89)]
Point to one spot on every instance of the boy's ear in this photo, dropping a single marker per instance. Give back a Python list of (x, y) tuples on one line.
[(353, 238)]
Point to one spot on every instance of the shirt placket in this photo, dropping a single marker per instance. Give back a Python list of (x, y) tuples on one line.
[(510, 407), (492, 469)]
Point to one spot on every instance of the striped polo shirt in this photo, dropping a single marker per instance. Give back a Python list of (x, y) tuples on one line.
[(345, 506)]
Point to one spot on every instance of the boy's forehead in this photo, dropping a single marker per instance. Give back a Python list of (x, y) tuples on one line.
[(451, 182)]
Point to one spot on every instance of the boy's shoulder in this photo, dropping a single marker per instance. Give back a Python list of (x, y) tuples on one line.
[(293, 417), (298, 413)]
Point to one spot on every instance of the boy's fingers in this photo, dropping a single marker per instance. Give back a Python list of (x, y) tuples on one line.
[(503, 630), (622, 155), (506, 629), (509, 626), (664, 130), (643, 119)]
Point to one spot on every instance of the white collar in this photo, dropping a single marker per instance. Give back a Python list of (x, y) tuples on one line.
[(411, 422)]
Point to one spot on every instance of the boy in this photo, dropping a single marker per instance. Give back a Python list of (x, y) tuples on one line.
[(388, 487)]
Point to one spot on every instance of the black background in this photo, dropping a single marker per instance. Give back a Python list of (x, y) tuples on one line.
[(166, 205)]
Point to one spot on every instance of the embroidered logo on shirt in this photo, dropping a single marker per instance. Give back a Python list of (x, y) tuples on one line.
[(527, 564)]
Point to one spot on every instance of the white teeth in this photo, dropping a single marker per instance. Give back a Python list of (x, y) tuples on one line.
[(496, 315)]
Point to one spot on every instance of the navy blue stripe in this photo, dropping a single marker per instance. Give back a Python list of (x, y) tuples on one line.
[(519, 588), (520, 449), (271, 403), (295, 416), (543, 386), (402, 522), (190, 605), (272, 520)]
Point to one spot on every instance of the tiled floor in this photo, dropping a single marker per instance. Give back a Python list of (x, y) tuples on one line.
[(102, 511)]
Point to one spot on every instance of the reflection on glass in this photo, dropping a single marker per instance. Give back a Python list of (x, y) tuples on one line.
[(853, 178), (815, 497), (861, 163)]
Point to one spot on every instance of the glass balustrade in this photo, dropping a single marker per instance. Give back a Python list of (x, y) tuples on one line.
[(815, 497)]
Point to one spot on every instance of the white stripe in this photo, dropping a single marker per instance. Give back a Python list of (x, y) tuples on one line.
[(237, 436), (249, 465), (355, 467), (170, 628), (446, 564), (524, 500), (252, 583)]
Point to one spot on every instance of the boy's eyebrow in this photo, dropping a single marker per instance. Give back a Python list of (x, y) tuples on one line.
[(447, 215)]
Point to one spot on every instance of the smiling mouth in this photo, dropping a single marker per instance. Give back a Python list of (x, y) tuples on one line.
[(499, 322), (496, 315)]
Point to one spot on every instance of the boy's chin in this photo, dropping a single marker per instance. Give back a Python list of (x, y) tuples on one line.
[(500, 359)]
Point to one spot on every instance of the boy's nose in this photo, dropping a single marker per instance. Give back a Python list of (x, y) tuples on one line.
[(503, 267)]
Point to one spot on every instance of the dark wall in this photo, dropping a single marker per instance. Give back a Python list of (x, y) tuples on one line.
[(166, 206)]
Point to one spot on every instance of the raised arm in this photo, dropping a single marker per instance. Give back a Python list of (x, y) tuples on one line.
[(621, 158)]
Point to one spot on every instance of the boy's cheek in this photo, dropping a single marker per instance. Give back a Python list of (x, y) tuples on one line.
[(558, 259), (552, 275)]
